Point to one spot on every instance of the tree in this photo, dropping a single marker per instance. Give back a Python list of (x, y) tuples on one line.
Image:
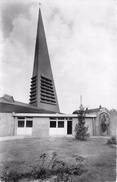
[(80, 128)]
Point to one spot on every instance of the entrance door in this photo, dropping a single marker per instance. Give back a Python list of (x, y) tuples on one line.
[(69, 127)]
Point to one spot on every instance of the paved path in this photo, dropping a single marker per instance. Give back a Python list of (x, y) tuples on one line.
[(100, 136), (13, 138), (7, 138)]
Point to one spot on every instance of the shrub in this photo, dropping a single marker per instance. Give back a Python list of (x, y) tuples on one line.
[(49, 169), (112, 140), (80, 128)]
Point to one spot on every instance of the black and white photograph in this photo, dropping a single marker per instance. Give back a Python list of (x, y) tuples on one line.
[(58, 90)]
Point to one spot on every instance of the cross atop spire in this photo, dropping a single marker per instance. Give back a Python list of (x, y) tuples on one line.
[(80, 99), (81, 106)]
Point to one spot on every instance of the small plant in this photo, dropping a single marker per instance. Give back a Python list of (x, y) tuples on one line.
[(52, 161), (112, 140), (43, 158)]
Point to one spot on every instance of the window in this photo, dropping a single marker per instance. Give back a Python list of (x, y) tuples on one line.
[(24, 122), (60, 124), (29, 124), (20, 124), (52, 124)]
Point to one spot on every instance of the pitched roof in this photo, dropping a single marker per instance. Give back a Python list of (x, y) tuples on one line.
[(9, 105), (8, 98), (89, 111), (92, 110)]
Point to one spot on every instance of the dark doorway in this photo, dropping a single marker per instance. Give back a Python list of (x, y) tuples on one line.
[(69, 127)]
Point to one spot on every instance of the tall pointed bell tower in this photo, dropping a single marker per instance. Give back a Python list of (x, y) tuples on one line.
[(42, 92)]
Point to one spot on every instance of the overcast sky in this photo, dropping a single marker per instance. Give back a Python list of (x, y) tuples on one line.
[(81, 39)]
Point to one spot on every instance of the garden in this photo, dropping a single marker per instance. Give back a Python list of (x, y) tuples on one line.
[(57, 159)]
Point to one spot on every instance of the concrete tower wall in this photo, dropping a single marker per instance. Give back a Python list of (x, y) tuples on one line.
[(43, 92)]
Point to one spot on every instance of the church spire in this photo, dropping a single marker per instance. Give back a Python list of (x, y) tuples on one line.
[(43, 93)]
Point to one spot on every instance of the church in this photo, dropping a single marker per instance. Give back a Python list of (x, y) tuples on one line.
[(42, 116)]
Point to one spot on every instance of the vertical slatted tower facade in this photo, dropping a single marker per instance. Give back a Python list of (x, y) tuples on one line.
[(42, 92)]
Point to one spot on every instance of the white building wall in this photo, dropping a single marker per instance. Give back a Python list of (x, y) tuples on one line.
[(41, 124), (74, 122), (90, 126), (7, 124)]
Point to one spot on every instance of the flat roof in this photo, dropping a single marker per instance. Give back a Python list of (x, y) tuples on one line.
[(52, 115)]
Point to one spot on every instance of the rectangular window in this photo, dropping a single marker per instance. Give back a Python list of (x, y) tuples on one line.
[(29, 124), (20, 124), (60, 124), (52, 124)]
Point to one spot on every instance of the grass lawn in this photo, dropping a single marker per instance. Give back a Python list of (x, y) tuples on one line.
[(21, 155)]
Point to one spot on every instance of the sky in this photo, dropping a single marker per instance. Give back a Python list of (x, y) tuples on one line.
[(81, 38)]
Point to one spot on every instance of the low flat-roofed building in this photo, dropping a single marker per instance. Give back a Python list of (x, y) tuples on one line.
[(17, 118)]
